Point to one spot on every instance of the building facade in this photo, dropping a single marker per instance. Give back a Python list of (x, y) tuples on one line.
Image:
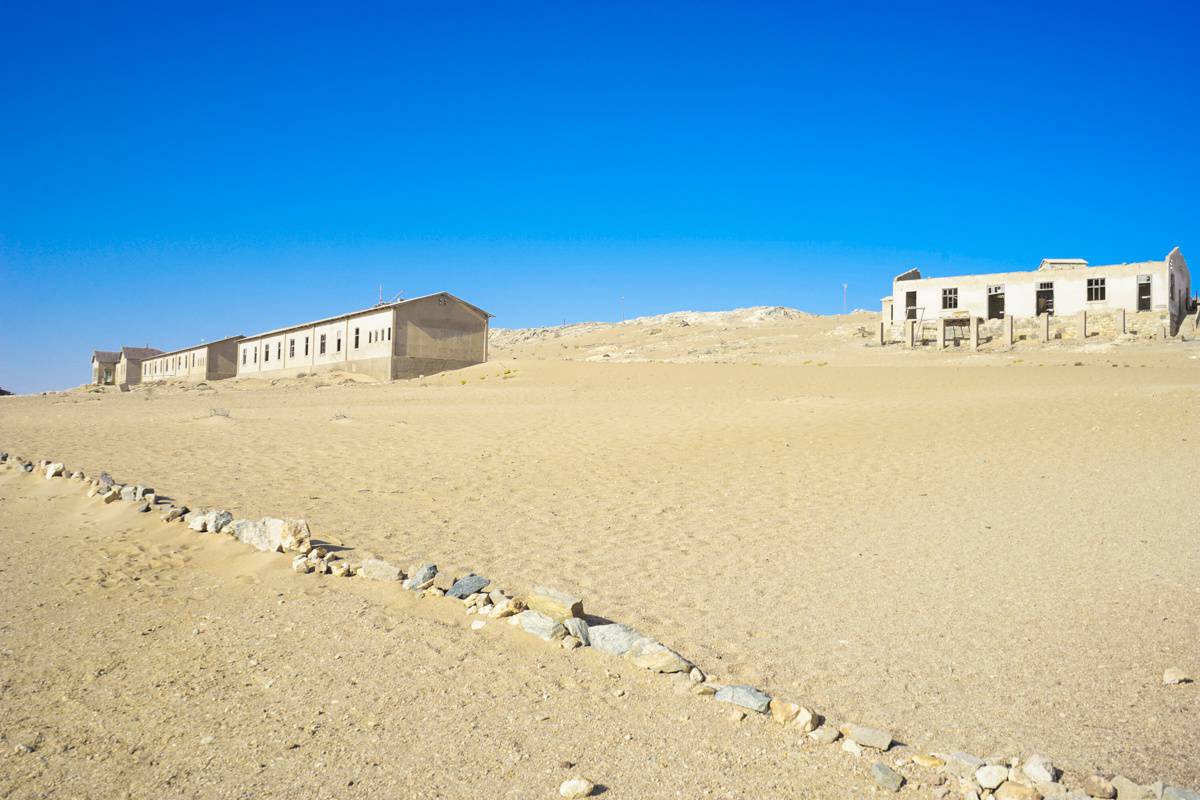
[(104, 367), (1057, 286), (203, 362), (129, 365), (388, 341)]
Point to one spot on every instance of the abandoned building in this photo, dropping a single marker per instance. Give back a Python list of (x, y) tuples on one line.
[(120, 368), (1057, 287), (403, 339), (104, 367), (210, 361)]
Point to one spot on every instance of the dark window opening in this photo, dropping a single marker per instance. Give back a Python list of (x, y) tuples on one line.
[(949, 298), (1095, 290)]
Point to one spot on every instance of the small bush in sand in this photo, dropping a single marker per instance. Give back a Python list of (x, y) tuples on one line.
[(218, 412), (339, 416)]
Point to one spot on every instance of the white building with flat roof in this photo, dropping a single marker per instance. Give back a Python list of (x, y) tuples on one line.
[(1060, 286)]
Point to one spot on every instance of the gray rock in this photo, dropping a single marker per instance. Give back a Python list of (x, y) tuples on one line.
[(140, 492), (1039, 769), (106, 481), (3, 456), (615, 639), (541, 626), (886, 777), (128, 492), (197, 521), (27, 466), (218, 521), (579, 629), (422, 576), (376, 569), (868, 737), (466, 586), (1176, 793), (744, 696), (144, 508)]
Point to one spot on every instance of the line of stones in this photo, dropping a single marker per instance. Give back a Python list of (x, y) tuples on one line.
[(557, 617)]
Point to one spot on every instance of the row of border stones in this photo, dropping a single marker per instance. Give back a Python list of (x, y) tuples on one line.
[(558, 618)]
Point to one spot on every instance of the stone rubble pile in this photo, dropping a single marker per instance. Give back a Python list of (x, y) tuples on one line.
[(557, 617)]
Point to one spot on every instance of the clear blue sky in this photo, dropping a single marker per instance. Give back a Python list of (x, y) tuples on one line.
[(173, 172)]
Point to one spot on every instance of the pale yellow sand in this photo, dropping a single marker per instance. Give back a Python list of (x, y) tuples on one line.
[(144, 661), (987, 552)]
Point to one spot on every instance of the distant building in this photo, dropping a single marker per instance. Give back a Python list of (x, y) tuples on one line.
[(104, 367), (127, 371), (1058, 286), (388, 341), (211, 361)]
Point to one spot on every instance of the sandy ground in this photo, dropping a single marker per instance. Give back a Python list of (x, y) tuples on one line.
[(143, 661), (991, 552)]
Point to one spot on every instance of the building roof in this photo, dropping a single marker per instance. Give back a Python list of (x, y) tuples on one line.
[(139, 353), (377, 307), (106, 355), (1048, 264), (196, 346), (1063, 263)]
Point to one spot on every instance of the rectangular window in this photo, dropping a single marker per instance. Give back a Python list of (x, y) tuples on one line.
[(255, 354), (243, 356), (949, 298), (305, 345), (339, 341), (279, 349), (389, 333), (356, 338), (321, 347), (291, 348), (1095, 289), (266, 352)]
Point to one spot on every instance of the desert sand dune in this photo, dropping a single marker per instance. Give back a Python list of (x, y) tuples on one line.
[(986, 551)]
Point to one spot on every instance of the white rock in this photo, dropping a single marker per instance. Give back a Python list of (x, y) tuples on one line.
[(1039, 769), (852, 747), (478, 624), (1175, 676), (991, 776), (576, 788)]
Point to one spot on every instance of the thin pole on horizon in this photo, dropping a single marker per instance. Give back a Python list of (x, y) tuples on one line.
[(622, 308), (844, 287)]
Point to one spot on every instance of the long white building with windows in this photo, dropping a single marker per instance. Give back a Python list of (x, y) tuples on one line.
[(1057, 286), (403, 339), (391, 340)]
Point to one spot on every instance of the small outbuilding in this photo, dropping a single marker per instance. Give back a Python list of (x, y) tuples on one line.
[(104, 367)]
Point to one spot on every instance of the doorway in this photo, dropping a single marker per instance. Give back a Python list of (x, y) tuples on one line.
[(1143, 283), (995, 296), (910, 305), (1045, 298)]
